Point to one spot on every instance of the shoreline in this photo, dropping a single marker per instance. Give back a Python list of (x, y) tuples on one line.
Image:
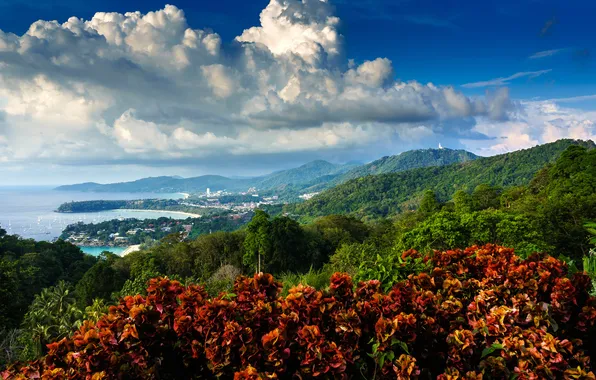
[(130, 249), (142, 210), (133, 210)]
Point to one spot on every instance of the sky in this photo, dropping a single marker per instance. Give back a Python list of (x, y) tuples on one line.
[(112, 90)]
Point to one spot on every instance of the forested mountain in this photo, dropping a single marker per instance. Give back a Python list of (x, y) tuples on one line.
[(296, 176), (164, 185), (412, 159), (302, 175), (386, 194), (313, 176)]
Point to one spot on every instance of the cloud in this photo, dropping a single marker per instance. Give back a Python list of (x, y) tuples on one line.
[(304, 28), (573, 99), (547, 53), (150, 89), (548, 25), (503, 81), (533, 123), (219, 80)]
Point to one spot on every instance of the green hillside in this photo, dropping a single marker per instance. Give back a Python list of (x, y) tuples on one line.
[(412, 159), (302, 175), (386, 194)]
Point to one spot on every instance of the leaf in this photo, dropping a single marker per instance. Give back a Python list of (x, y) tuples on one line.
[(390, 356), (401, 344), (553, 323), (489, 350), (375, 347)]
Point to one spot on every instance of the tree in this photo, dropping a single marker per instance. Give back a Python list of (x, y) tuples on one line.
[(486, 196), (258, 239), (52, 315), (429, 203), (101, 280), (288, 247), (8, 294), (462, 202), (215, 250)]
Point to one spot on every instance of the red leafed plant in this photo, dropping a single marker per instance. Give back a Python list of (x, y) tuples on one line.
[(480, 313)]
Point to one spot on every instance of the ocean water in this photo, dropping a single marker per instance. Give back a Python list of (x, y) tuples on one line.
[(95, 251), (29, 211)]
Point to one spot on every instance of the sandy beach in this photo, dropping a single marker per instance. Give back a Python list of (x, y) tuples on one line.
[(173, 212), (130, 249)]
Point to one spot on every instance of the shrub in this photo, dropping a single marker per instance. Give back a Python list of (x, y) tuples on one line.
[(481, 312)]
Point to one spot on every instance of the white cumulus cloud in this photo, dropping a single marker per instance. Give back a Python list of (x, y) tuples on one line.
[(149, 88)]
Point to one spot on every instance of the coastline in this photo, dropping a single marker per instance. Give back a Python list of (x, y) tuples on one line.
[(144, 210), (131, 249)]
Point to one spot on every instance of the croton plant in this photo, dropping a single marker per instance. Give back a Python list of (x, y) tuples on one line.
[(482, 313)]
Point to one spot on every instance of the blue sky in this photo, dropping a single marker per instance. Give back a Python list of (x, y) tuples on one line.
[(480, 75), (445, 42)]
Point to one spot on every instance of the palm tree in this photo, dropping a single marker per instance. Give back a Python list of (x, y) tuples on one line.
[(52, 315)]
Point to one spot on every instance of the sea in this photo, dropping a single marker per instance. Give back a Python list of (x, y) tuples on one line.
[(30, 212)]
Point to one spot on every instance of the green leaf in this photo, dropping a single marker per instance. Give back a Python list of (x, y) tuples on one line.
[(401, 344), (375, 347), (390, 356), (489, 350)]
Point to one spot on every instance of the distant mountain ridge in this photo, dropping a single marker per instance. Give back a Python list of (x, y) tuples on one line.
[(412, 159), (385, 194), (312, 176)]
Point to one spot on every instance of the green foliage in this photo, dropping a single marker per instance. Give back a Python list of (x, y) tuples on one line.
[(257, 243), (27, 267), (11, 345), (101, 280), (590, 264), (413, 159), (485, 196), (429, 202), (96, 310), (8, 291), (349, 257), (138, 284), (386, 194), (392, 267), (52, 315), (288, 246), (317, 278), (591, 228), (462, 202)]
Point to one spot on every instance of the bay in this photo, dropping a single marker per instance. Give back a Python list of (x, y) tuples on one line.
[(95, 251), (30, 211)]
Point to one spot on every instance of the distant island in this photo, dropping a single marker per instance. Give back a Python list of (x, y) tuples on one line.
[(195, 206), (139, 204)]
